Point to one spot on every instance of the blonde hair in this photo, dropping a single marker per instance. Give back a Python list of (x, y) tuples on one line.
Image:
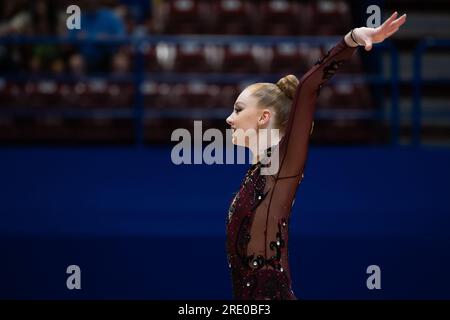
[(277, 96)]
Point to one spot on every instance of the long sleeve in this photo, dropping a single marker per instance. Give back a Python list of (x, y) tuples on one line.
[(294, 145)]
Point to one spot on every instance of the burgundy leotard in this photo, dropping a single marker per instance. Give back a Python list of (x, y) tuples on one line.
[(258, 218)]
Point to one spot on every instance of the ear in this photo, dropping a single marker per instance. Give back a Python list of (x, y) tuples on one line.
[(264, 117)]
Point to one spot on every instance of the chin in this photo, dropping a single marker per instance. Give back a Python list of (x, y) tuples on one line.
[(234, 140)]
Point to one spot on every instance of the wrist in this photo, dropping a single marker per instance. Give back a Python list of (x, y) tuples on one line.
[(349, 41), (354, 36)]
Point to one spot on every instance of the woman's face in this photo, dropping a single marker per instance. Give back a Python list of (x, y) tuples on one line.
[(244, 119)]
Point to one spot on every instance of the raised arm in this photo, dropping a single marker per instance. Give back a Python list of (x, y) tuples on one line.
[(294, 145)]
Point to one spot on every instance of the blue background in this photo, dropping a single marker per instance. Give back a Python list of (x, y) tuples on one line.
[(140, 227)]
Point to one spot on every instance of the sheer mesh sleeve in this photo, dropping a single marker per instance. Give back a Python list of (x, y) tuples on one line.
[(258, 218), (294, 145)]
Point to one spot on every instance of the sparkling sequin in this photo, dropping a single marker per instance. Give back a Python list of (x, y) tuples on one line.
[(323, 58), (331, 69), (253, 191)]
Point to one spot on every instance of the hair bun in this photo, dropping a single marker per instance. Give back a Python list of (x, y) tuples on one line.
[(288, 85)]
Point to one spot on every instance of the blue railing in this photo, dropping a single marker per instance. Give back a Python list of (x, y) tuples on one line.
[(417, 111), (139, 74)]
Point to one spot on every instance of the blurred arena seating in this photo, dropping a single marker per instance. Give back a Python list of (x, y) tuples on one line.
[(51, 93), (268, 17), (430, 22)]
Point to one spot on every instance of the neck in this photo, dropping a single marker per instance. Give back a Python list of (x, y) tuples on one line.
[(263, 143)]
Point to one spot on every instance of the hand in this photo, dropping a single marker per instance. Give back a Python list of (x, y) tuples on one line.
[(368, 36)]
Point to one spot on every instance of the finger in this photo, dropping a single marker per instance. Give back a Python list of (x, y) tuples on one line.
[(399, 21), (391, 33), (368, 44), (389, 20), (396, 24)]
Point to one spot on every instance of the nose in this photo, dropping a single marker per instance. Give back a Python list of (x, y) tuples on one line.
[(229, 120)]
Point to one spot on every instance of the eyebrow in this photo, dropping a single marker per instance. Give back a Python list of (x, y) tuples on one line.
[(239, 103)]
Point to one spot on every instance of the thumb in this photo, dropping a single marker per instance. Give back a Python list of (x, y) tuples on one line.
[(368, 45)]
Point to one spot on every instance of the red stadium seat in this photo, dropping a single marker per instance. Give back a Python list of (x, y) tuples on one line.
[(288, 58), (164, 96), (119, 95), (166, 55), (97, 94), (69, 97), (235, 16), (227, 96), (42, 94), (345, 95), (185, 16), (17, 97), (354, 65), (8, 129), (197, 95), (331, 17), (151, 61), (177, 96), (281, 17), (5, 96), (156, 130), (49, 127), (160, 130), (190, 57), (214, 55), (239, 58), (152, 98)]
